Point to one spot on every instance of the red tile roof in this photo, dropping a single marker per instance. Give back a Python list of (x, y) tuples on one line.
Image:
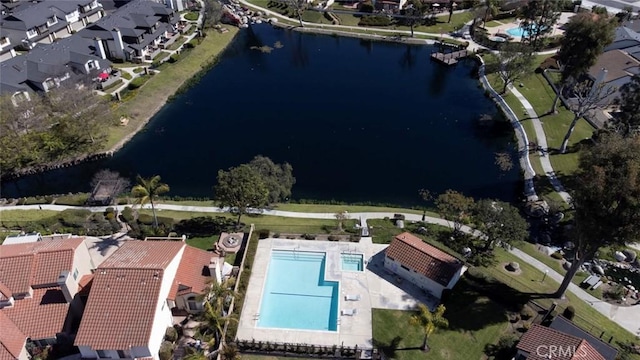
[(143, 255), (193, 272), (42, 316), (121, 307), (12, 340), (124, 295), (410, 251), (540, 342), (5, 292), (84, 285), (36, 264)]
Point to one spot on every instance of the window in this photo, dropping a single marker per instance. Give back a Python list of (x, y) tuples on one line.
[(192, 304), (102, 354), (52, 20), (91, 64), (4, 41), (404, 267), (31, 32), (75, 274)]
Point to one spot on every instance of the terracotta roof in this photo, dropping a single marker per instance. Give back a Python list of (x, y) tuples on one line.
[(15, 272), (36, 264), (617, 63), (42, 316), (410, 251), (12, 340), (121, 308), (539, 341), (143, 255), (193, 272), (84, 285), (562, 324), (5, 292)]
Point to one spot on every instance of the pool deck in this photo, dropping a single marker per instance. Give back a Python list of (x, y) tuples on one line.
[(502, 29), (377, 289)]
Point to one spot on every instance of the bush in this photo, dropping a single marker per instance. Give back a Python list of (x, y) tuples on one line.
[(203, 226), (166, 351), (374, 20), (263, 233), (145, 219), (276, 235), (191, 44), (308, 236), (73, 200), (192, 16), (557, 255), (127, 215), (125, 75), (366, 7), (398, 216), (354, 238), (333, 238), (569, 312), (171, 335), (173, 58), (137, 82), (527, 313), (74, 217)]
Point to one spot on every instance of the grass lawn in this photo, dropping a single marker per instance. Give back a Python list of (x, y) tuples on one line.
[(204, 243), (155, 92), (474, 321), (556, 265), (177, 43), (442, 26), (328, 208), (530, 281), (273, 223), (25, 215)]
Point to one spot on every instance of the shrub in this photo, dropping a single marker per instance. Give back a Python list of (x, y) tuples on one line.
[(137, 82), (171, 335), (398, 216), (203, 226), (127, 215), (569, 312), (354, 238), (191, 44), (557, 255), (126, 75), (366, 7), (263, 233), (73, 200), (173, 58), (308, 236), (166, 351), (377, 20), (276, 235), (145, 219), (74, 217), (333, 238), (192, 16), (165, 222)]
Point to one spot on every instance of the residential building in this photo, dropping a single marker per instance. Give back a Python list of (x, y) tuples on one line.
[(564, 325), (47, 66), (422, 264), (626, 36), (7, 48), (132, 296), (615, 68), (134, 32), (30, 23), (541, 342), (38, 287)]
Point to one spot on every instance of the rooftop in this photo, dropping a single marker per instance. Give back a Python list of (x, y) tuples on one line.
[(617, 63), (143, 255), (538, 340), (425, 259), (42, 316), (12, 340), (193, 272)]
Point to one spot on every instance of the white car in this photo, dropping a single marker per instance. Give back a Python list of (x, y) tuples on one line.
[(466, 35)]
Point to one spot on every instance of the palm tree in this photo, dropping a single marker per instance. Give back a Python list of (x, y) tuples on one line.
[(218, 293), (214, 320), (147, 190), (429, 322)]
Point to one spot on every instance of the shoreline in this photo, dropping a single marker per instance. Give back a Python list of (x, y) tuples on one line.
[(158, 103)]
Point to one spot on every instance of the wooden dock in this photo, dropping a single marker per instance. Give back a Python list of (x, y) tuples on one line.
[(450, 58)]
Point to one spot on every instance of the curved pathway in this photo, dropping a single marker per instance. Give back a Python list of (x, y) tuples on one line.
[(627, 317), (542, 145)]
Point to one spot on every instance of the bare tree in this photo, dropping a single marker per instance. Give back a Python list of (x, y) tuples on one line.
[(587, 97), (119, 183), (341, 216), (298, 7)]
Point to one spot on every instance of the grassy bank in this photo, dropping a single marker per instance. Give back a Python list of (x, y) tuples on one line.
[(155, 92)]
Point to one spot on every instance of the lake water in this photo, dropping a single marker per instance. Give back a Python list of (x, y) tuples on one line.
[(358, 120)]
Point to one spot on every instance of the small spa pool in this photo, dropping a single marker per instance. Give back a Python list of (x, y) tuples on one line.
[(352, 262)]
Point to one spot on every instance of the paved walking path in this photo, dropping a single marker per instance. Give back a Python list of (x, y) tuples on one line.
[(627, 317), (542, 145)]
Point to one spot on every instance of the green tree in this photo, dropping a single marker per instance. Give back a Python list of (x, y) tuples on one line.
[(214, 320), (500, 222), (414, 13), (277, 177), (429, 322), (627, 121), (514, 62), (298, 7), (219, 295), (454, 206), (606, 199), (586, 35), (538, 19), (586, 98), (147, 190), (241, 188), (212, 13), (491, 8)]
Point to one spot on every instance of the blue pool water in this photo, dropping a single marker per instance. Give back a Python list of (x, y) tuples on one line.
[(352, 262), (296, 296), (518, 32)]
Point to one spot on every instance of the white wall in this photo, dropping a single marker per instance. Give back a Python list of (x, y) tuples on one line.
[(417, 279), (163, 318), (24, 355)]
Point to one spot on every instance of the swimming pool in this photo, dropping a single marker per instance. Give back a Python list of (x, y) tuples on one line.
[(352, 262), (518, 32), (295, 294)]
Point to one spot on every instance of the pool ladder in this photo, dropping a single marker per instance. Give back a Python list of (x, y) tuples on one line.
[(256, 316)]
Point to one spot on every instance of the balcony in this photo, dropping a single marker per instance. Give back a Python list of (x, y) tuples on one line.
[(166, 41)]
